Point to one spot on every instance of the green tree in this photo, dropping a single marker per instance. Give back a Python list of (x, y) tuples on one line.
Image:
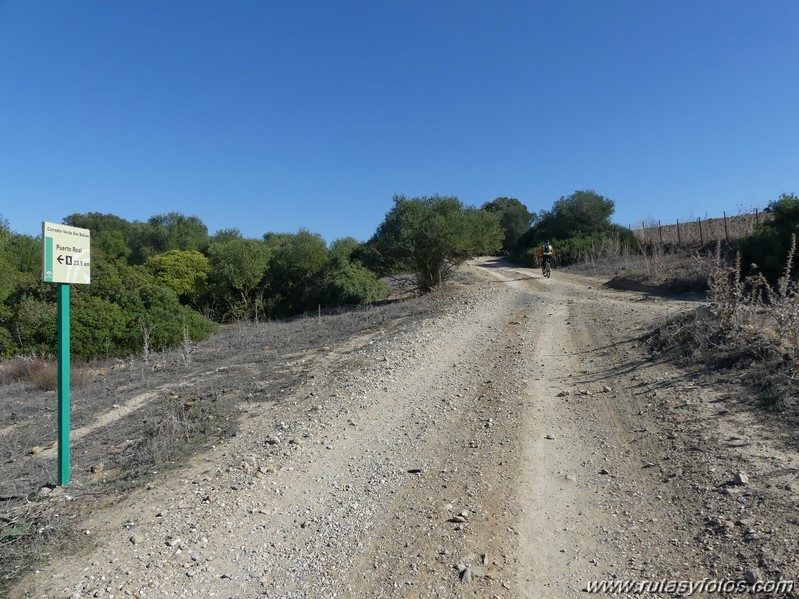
[(296, 272), (186, 272), (236, 277), (427, 236), (7, 272), (156, 315), (224, 235), (484, 232), (581, 213), (20, 288), (25, 253), (110, 234), (577, 225), (34, 327), (166, 232), (99, 328), (344, 247), (348, 283), (8, 276), (116, 281), (514, 217)]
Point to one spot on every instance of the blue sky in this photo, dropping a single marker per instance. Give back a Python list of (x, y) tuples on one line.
[(275, 116)]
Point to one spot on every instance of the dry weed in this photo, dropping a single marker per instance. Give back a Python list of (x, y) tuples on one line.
[(747, 323), (39, 373)]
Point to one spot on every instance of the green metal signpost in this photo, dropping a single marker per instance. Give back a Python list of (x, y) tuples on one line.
[(65, 260), (63, 384)]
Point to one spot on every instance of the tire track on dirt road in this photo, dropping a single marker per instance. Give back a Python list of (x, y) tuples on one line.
[(585, 510), (558, 514)]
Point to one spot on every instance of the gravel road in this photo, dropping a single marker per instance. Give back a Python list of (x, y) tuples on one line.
[(521, 443)]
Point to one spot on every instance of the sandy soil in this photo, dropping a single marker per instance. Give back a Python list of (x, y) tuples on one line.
[(520, 442)]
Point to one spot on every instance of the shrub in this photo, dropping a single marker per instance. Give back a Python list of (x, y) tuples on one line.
[(38, 372), (349, 283), (766, 249), (429, 236), (748, 323)]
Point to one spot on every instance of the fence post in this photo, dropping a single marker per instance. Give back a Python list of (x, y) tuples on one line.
[(679, 239), (701, 235), (660, 231), (726, 234)]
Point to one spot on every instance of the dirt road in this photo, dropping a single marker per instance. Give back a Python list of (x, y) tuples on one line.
[(520, 444)]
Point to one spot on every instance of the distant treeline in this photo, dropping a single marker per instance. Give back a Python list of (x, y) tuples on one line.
[(166, 282)]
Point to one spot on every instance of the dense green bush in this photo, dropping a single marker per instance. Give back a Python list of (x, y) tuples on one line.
[(582, 214), (514, 218), (99, 328), (429, 236), (35, 329), (237, 268), (767, 248), (184, 271), (158, 317), (348, 283), (157, 284), (296, 272), (484, 232), (579, 229)]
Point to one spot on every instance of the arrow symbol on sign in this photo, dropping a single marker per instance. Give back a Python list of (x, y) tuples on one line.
[(60, 260)]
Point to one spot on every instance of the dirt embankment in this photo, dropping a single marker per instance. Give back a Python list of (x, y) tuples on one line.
[(519, 443)]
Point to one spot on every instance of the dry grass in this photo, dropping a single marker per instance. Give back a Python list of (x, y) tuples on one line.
[(23, 369), (701, 232), (657, 269), (754, 313), (748, 325), (191, 398), (38, 373)]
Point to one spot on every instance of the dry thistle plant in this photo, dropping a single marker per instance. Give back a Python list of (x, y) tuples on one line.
[(783, 308), (725, 291), (754, 322)]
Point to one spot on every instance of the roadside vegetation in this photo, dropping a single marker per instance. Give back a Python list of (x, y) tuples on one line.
[(165, 283), (750, 322), (579, 228), (429, 236), (160, 287)]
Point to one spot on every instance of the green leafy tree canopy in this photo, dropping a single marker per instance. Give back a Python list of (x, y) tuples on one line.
[(581, 213), (428, 236), (514, 217), (185, 272)]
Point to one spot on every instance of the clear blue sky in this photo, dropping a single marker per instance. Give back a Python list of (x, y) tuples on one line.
[(279, 115)]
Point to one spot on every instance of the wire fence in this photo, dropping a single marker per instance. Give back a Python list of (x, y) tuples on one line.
[(701, 231)]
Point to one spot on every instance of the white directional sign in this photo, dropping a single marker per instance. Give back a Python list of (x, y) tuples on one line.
[(65, 258)]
